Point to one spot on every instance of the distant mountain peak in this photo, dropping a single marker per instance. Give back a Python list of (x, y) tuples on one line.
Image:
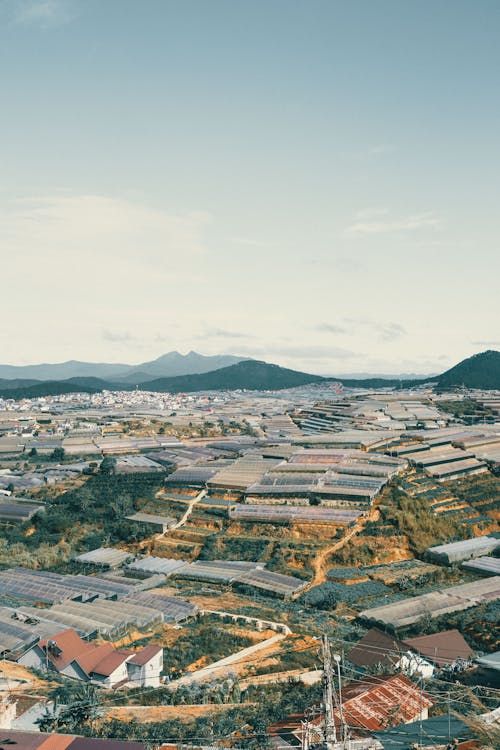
[(167, 365)]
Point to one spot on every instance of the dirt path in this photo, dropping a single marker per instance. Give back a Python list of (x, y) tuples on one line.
[(321, 563), (196, 499), (150, 542)]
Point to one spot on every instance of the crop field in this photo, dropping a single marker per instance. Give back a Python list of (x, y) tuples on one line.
[(396, 573), (330, 594)]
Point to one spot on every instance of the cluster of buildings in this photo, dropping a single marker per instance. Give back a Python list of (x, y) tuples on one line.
[(310, 456)]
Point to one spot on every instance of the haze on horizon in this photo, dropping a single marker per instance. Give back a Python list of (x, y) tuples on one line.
[(311, 183)]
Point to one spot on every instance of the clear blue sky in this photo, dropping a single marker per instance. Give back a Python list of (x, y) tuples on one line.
[(311, 182)]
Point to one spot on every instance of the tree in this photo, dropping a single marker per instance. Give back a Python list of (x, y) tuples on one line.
[(82, 711), (108, 465), (33, 452), (48, 721), (58, 454)]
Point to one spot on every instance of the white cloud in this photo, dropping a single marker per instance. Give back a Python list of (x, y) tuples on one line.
[(370, 152), (222, 333), (330, 328), (412, 223), (251, 242), (316, 352), (54, 233), (45, 14), (75, 266), (385, 331), (119, 337)]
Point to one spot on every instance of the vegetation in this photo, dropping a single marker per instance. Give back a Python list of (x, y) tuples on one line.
[(247, 721), (207, 641), (466, 409), (81, 710), (79, 520), (412, 517), (482, 492), (328, 595)]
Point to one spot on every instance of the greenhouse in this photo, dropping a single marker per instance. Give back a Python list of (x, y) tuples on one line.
[(488, 565), (436, 603), (465, 549), (105, 557), (151, 564)]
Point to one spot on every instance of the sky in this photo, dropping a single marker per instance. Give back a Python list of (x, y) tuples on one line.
[(310, 182)]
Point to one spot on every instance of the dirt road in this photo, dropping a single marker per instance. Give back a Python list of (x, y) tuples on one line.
[(321, 562)]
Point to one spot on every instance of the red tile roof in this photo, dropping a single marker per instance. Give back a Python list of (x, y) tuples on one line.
[(378, 702), (106, 666), (57, 742), (23, 740), (69, 643), (88, 743), (88, 661), (371, 704), (145, 654)]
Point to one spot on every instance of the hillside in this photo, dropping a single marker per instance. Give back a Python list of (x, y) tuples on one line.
[(250, 375), (51, 388), (62, 370), (8, 384), (479, 371)]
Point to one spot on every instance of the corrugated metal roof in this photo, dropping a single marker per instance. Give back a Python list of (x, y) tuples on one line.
[(104, 556)]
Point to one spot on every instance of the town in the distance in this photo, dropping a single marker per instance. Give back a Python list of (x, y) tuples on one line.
[(217, 552)]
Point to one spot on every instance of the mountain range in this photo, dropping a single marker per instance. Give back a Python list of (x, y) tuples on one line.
[(167, 365), (479, 371)]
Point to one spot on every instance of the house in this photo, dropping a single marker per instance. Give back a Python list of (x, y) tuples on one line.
[(8, 712), (445, 650), (103, 665), (378, 701), (145, 666), (377, 648), (41, 741), (423, 655), (370, 705)]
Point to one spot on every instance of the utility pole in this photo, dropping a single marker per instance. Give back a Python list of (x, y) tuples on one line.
[(449, 718), (328, 694), (343, 727), (305, 736), (421, 728)]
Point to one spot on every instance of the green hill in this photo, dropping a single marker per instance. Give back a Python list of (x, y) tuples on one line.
[(479, 371), (250, 375)]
